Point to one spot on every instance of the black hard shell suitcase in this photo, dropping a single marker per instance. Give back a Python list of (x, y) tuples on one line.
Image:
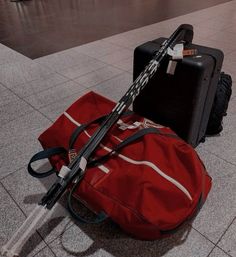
[(182, 101)]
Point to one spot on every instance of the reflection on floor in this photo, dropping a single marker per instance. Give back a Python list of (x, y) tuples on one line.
[(39, 27)]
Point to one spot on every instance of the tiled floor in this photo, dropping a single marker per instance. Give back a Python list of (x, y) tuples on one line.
[(34, 92)]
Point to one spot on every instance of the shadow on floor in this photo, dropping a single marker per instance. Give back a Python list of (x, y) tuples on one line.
[(107, 236)]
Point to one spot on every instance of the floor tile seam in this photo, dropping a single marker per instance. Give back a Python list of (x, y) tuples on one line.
[(68, 67), (68, 79), (41, 250), (38, 232), (208, 239), (53, 102), (217, 247), (96, 58), (11, 173), (74, 79), (34, 109), (13, 199), (15, 61), (49, 242), (62, 99), (99, 83), (100, 56), (217, 243), (19, 116), (216, 155), (223, 251), (113, 64), (51, 87), (211, 251), (9, 194)]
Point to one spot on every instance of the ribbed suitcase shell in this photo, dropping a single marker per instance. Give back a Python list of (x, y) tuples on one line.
[(182, 101)]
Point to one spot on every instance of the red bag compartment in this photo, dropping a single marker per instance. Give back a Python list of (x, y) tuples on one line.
[(149, 187)]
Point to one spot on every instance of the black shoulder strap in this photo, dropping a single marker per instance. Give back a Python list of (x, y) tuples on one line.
[(45, 154), (81, 128), (139, 134)]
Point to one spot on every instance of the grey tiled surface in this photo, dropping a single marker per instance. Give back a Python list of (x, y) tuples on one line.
[(45, 252), (220, 207), (54, 94), (115, 87), (10, 56), (218, 253), (13, 74), (39, 85), (82, 69), (33, 93), (89, 240), (64, 60), (14, 108), (27, 192), (98, 49), (54, 110), (10, 219), (17, 140), (228, 241), (98, 77)]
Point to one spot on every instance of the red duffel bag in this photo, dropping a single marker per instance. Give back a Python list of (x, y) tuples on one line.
[(142, 176)]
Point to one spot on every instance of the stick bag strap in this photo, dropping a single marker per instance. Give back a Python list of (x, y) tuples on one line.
[(81, 128), (45, 154), (99, 217), (126, 142)]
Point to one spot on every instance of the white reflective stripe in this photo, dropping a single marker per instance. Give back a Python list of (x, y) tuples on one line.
[(147, 163), (71, 119), (154, 167), (101, 167), (117, 138)]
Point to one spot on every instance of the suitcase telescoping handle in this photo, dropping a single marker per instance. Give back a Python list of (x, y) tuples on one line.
[(76, 169)]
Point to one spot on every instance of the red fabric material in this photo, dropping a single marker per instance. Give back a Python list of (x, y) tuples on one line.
[(137, 197)]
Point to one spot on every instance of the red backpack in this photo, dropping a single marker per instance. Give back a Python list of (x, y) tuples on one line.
[(142, 176)]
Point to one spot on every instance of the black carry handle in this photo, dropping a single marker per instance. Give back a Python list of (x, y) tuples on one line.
[(82, 127), (187, 32), (129, 140), (47, 153)]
